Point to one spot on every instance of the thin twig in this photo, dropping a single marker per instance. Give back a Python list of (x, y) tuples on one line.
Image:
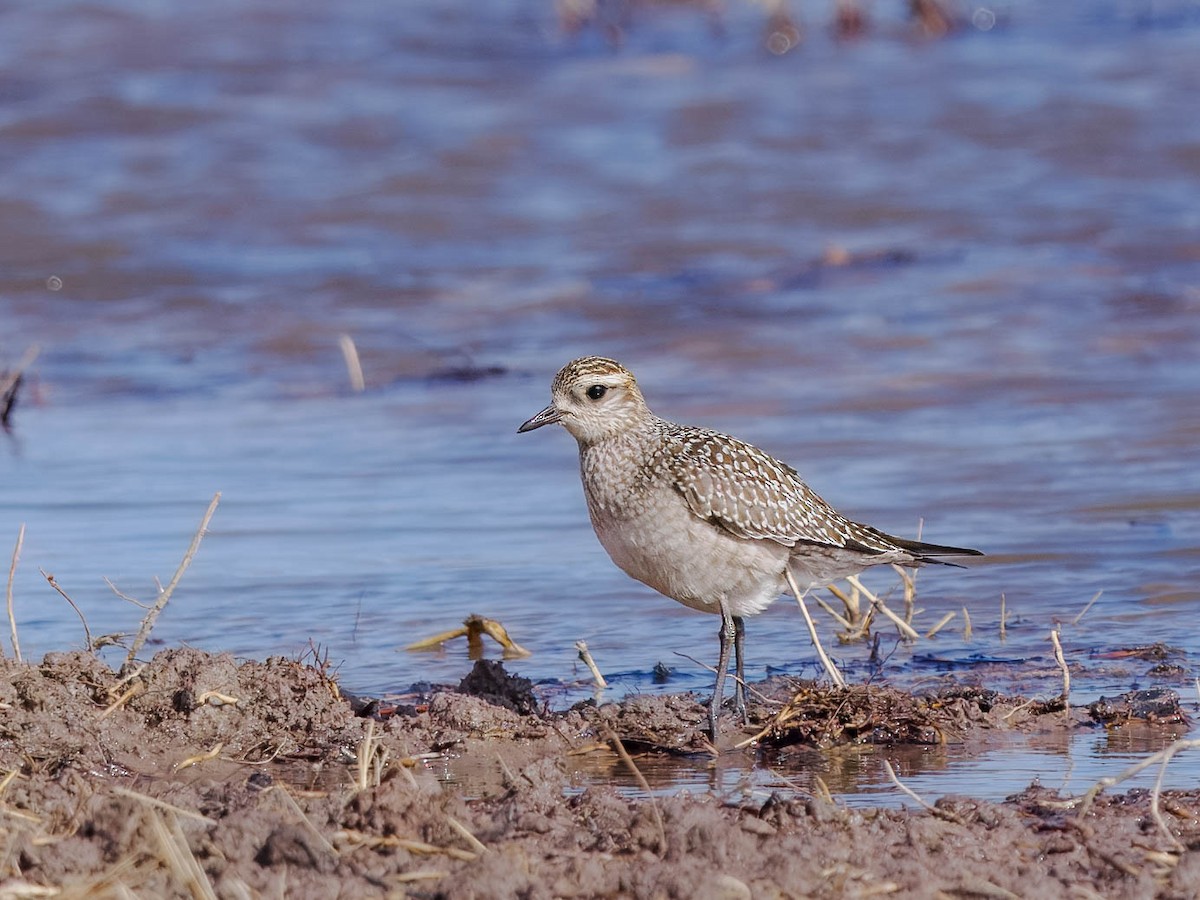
[(908, 580), (1003, 617), (87, 632), (586, 656), (840, 619), (12, 571), (1084, 802), (112, 587), (1016, 709), (1083, 612), (905, 629), (849, 601), (915, 797), (941, 623), (620, 750), (1062, 664), (834, 675), (1156, 811), (165, 594), (966, 624)]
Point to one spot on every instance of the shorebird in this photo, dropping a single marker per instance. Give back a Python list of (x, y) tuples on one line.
[(704, 518)]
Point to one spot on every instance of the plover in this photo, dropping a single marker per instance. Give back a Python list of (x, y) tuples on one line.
[(702, 517)]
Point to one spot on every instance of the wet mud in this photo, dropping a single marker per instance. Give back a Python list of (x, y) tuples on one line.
[(200, 775)]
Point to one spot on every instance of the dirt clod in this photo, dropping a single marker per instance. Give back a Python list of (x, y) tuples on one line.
[(489, 681), (1156, 705)]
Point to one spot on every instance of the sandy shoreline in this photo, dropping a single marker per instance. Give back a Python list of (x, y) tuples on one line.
[(202, 776)]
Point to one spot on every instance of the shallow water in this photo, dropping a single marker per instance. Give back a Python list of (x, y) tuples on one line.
[(1069, 764), (955, 282)]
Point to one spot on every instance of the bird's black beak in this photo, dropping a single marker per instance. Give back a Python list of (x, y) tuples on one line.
[(547, 416)]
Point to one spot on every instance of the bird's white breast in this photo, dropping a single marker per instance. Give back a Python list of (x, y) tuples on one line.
[(652, 535)]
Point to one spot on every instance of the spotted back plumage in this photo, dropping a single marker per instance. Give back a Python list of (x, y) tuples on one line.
[(751, 494)]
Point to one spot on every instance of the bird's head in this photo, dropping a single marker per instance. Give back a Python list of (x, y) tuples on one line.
[(593, 398)]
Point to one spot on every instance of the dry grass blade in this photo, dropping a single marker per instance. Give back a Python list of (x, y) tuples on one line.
[(620, 750), (351, 840), (162, 804), (179, 857), (465, 833), (1062, 664), (371, 760), (199, 757), (844, 621), (291, 803), (216, 698), (905, 629), (425, 849), (941, 623), (916, 798), (1090, 604), (87, 632), (834, 675), (908, 578), (420, 875), (8, 779), (124, 698), (353, 364), (165, 594), (966, 624), (20, 890), (833, 613), (12, 571), (1084, 803)]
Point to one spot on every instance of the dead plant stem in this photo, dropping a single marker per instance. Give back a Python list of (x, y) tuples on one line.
[(8, 594), (87, 632), (620, 750), (165, 594), (834, 675)]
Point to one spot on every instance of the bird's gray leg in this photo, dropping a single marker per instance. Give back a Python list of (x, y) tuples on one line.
[(727, 634), (739, 640)]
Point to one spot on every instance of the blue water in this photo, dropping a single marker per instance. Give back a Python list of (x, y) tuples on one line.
[(954, 282)]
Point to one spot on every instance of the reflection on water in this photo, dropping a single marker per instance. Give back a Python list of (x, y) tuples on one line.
[(955, 282), (1070, 763)]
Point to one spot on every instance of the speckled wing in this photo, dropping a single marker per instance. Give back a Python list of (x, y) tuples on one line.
[(744, 491)]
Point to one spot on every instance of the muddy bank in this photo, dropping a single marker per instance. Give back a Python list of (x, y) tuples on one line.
[(201, 776)]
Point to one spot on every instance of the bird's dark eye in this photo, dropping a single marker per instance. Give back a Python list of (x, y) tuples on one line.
[(596, 391)]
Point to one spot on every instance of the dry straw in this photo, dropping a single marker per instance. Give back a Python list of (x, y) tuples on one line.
[(165, 594)]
